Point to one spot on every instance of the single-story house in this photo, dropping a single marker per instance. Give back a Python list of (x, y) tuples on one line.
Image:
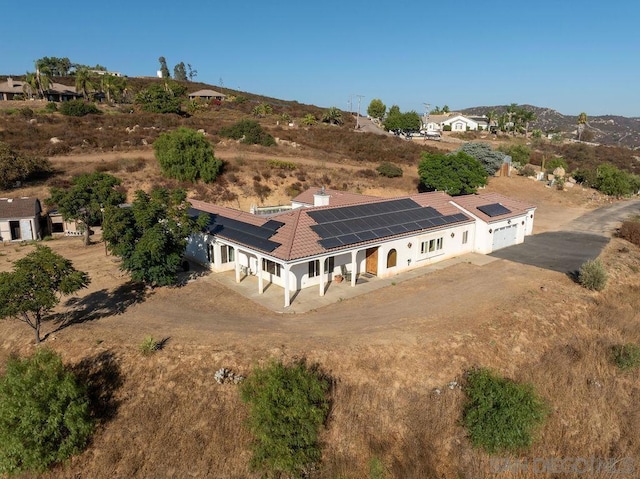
[(11, 88), (351, 235), (464, 123), (207, 95), (20, 219), (433, 123)]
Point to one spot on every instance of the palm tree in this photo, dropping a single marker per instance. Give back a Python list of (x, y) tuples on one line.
[(333, 116), (309, 120), (84, 82), (112, 85), (527, 117), (43, 80), (30, 86), (582, 121)]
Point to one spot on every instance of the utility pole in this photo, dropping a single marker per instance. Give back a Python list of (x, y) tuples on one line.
[(351, 104), (360, 97), (426, 113)]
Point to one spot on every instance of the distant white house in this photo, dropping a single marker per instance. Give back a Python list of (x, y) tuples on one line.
[(466, 123), (207, 95), (332, 235), (20, 219)]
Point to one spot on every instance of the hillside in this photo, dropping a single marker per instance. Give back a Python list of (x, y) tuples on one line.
[(607, 129)]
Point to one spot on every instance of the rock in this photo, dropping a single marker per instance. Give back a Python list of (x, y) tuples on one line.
[(55, 140), (559, 172)]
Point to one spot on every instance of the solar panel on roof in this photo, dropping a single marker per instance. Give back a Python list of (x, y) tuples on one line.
[(330, 243), (367, 235), (494, 209), (272, 225)]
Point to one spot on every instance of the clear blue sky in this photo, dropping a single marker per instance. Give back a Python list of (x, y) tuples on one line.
[(568, 55)]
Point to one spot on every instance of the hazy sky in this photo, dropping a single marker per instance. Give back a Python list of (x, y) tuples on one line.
[(568, 55)]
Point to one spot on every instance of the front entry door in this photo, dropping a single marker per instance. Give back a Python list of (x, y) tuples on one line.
[(372, 261)]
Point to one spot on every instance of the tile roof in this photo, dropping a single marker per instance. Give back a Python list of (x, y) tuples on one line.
[(17, 86), (207, 93), (472, 202), (298, 240), (336, 197), (14, 208)]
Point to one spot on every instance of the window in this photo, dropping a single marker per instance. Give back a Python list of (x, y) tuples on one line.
[(271, 267), (227, 254), (465, 237), (329, 265), (431, 246), (314, 268), (210, 257), (392, 258)]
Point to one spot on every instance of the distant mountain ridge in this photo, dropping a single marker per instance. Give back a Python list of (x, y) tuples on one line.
[(606, 129)]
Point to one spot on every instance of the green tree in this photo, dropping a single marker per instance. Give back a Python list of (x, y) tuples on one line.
[(262, 110), (85, 82), (161, 99), (86, 199), (180, 72), (186, 155), (112, 86), (612, 181), (287, 407), (34, 286), (45, 415), (376, 109), (333, 116), (30, 86), (59, 67), (527, 117), (501, 415), (456, 174), (18, 167), (396, 120), (164, 70), (151, 236), (520, 154), (192, 72), (490, 159), (43, 79)]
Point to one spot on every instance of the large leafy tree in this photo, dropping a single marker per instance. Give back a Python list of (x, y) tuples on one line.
[(18, 167), (45, 415), (34, 286), (59, 67), (288, 405), (376, 109), (490, 159), (165, 98), (456, 174), (87, 198), (151, 235), (186, 155), (396, 120), (180, 72)]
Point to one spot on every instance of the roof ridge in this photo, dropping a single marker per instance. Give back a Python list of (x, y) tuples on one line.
[(297, 212)]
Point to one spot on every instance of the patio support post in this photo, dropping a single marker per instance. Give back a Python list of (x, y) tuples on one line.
[(322, 278), (354, 267), (287, 292), (260, 280), (236, 257)]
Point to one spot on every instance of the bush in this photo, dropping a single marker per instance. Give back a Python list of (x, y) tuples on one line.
[(45, 415), (446, 128), (592, 275), (500, 414), (287, 407), (78, 108), (186, 155), (630, 231), (389, 170), (282, 165), (51, 107), (162, 99), (17, 167), (249, 132), (556, 163), (149, 346), (528, 170), (626, 356)]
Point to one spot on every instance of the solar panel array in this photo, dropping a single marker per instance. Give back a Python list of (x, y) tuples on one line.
[(247, 234), (494, 209), (354, 224)]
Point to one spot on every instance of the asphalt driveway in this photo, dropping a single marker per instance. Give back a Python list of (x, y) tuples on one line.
[(580, 240)]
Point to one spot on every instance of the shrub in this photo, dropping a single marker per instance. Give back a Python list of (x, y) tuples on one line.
[(45, 414), (148, 346), (592, 275), (446, 128), (51, 107), (288, 404), (528, 170), (500, 414), (249, 132), (26, 112), (186, 155), (556, 163), (389, 170), (78, 108), (282, 165), (630, 231), (626, 356), (162, 99), (367, 173), (17, 167)]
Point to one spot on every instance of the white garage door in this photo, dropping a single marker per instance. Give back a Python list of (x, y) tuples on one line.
[(505, 236)]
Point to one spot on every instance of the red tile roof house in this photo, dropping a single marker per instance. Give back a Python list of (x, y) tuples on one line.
[(20, 219), (331, 233)]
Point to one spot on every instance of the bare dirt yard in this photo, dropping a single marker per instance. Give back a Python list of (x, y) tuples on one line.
[(164, 415)]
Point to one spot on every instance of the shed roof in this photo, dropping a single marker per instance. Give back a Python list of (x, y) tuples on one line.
[(207, 93), (14, 208)]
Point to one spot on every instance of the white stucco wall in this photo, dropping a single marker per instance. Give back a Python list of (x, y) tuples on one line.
[(29, 229)]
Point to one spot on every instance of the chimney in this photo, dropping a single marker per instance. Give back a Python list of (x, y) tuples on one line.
[(321, 198), (10, 82)]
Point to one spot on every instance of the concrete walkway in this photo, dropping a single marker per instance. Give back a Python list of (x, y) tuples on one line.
[(309, 299)]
